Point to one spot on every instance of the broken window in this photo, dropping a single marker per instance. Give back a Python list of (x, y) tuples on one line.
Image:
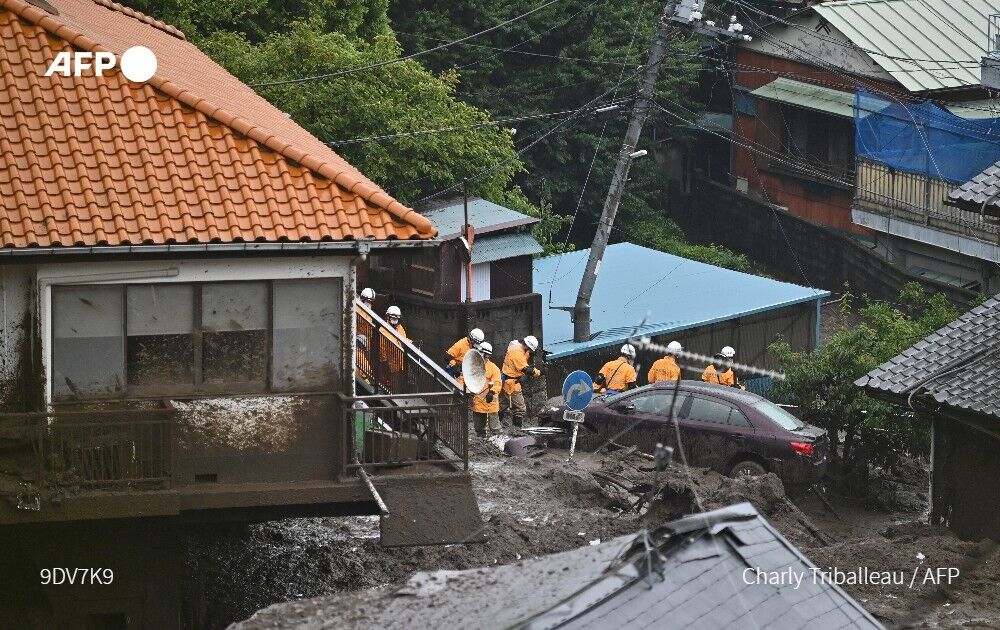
[(159, 342), (87, 342), (174, 338), (234, 322), (306, 345)]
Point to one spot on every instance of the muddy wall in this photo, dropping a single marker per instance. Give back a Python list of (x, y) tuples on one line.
[(20, 378), (965, 496)]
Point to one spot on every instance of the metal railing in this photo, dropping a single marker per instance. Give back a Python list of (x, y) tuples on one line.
[(808, 167), (428, 428), (918, 198), (390, 364), (90, 449)]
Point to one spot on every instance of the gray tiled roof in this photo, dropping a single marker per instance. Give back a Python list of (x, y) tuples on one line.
[(697, 581), (981, 188), (961, 360)]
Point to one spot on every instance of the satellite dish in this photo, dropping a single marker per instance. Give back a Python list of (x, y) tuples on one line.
[(474, 371)]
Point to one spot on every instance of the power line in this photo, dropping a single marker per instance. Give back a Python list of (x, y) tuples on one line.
[(380, 64), (609, 62)]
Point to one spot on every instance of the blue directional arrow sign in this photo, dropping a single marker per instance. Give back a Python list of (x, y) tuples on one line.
[(578, 390)]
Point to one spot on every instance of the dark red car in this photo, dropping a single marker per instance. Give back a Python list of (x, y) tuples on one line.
[(732, 431)]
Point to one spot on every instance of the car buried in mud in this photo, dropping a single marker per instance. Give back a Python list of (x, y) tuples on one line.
[(732, 431)]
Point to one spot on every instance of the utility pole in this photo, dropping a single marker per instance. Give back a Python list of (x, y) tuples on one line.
[(640, 111)]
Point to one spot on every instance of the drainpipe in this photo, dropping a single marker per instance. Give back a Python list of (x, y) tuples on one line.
[(468, 240)]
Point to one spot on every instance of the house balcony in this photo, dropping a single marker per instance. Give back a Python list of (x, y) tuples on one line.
[(247, 456), (914, 207), (832, 174)]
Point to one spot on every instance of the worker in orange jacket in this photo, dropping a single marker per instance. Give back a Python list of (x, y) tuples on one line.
[(458, 350), (517, 365), (391, 353), (618, 374), (666, 369), (712, 373), (363, 336), (486, 404)]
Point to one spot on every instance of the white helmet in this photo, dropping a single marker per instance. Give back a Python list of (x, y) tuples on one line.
[(531, 342), (728, 352), (368, 294), (393, 311), (674, 347), (486, 347), (476, 336), (628, 351)]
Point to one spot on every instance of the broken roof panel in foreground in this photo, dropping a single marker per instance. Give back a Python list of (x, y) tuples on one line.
[(697, 581)]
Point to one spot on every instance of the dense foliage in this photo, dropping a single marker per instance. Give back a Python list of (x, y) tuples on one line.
[(821, 383)]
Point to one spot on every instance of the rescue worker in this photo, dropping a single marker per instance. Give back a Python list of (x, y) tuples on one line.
[(517, 365), (712, 373), (486, 404), (390, 351), (618, 374), (458, 350), (365, 328), (666, 369)]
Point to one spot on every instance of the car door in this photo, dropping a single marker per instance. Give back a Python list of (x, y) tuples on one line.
[(642, 420), (713, 431)]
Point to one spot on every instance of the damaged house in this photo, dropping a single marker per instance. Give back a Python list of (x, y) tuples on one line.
[(177, 274)]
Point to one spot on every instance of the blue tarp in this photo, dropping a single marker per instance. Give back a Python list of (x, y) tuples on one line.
[(924, 138)]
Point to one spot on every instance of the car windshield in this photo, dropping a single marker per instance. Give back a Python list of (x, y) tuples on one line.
[(779, 415)]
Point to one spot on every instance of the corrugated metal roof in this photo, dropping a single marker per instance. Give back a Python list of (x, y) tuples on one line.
[(809, 96), (483, 215), (677, 293), (499, 246), (934, 365), (924, 44)]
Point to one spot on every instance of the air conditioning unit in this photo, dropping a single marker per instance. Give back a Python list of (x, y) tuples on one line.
[(742, 184)]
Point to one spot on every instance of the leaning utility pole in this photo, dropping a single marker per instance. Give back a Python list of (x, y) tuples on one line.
[(640, 111)]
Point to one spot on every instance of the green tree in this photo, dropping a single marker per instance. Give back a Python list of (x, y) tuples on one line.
[(821, 383)]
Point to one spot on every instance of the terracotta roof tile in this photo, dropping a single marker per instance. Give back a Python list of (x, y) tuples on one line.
[(191, 156)]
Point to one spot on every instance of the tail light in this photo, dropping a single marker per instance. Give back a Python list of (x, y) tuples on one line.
[(802, 448)]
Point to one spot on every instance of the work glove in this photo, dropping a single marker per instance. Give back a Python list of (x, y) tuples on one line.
[(490, 396), (527, 370)]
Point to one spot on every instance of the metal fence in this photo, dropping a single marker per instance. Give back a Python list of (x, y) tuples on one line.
[(918, 198), (92, 449), (388, 363), (428, 428)]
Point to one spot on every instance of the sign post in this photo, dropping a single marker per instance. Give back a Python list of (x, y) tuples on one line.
[(577, 392)]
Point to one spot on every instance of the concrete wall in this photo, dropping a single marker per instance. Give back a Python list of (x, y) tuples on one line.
[(20, 384), (792, 246)]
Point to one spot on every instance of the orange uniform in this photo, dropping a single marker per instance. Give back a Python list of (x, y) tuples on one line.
[(390, 351), (458, 350), (712, 375), (479, 402), (618, 375), (665, 369), (513, 368)]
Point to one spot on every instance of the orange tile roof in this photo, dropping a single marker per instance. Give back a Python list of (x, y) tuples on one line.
[(191, 156)]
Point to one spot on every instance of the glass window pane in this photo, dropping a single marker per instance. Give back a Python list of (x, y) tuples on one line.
[(234, 337), (657, 403), (705, 410), (307, 334), (88, 357), (160, 343)]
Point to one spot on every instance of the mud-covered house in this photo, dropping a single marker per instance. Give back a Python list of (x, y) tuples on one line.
[(951, 375), (178, 265)]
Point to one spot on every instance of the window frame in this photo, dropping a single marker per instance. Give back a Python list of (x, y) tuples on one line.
[(199, 387)]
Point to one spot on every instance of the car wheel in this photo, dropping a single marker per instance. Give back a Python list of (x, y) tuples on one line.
[(747, 468)]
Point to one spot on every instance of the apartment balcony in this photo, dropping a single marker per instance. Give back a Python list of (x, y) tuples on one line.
[(913, 206), (833, 174)]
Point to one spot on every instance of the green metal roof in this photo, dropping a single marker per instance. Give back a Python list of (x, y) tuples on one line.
[(809, 96), (500, 246), (924, 44)]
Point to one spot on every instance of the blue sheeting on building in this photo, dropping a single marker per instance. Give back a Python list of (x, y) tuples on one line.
[(924, 138), (635, 282)]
